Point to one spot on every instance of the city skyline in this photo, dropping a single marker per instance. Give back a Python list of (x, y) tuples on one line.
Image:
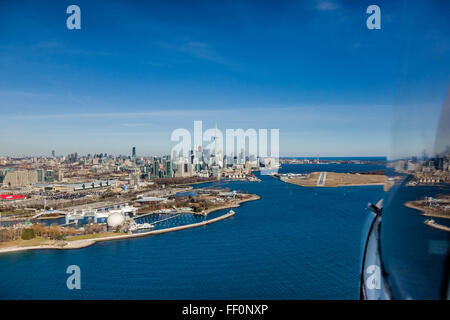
[(106, 86)]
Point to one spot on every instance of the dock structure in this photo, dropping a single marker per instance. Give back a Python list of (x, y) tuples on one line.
[(433, 224)]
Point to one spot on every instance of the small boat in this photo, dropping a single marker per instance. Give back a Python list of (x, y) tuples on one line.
[(145, 226)]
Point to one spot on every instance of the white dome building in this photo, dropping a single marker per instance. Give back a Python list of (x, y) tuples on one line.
[(115, 219)]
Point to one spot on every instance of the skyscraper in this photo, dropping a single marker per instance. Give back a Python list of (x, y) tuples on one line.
[(133, 152), (156, 168), (169, 170)]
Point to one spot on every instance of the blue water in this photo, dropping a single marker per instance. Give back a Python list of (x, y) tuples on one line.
[(294, 243), (414, 254), (185, 194)]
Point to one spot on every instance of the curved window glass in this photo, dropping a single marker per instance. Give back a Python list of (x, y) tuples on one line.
[(415, 226), (406, 255)]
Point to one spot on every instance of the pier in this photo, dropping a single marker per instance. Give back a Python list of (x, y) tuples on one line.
[(435, 225)]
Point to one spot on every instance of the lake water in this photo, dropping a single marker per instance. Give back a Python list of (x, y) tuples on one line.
[(294, 243)]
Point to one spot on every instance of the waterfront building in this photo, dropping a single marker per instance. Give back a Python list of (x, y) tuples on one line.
[(40, 176), (49, 176), (60, 175), (216, 171), (168, 167), (156, 168), (21, 178), (182, 168)]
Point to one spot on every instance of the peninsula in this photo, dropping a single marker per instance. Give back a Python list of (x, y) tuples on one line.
[(432, 207)]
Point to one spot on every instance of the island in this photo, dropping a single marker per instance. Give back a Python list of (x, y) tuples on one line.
[(334, 179)]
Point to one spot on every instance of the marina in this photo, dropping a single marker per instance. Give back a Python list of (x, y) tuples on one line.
[(140, 230)]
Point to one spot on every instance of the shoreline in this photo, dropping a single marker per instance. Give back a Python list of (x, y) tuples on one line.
[(429, 213), (78, 244), (236, 204), (435, 225), (425, 212)]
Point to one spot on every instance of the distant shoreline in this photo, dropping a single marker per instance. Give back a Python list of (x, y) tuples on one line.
[(236, 204), (429, 213), (435, 225), (425, 212)]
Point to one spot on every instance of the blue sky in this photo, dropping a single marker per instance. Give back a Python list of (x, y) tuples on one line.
[(135, 72)]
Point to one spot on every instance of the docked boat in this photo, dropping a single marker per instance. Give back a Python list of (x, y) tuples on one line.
[(145, 226)]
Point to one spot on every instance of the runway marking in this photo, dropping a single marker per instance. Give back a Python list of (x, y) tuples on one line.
[(322, 179)]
